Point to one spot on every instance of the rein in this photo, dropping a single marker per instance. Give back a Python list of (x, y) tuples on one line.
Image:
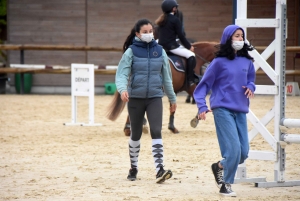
[(202, 58), (204, 66)]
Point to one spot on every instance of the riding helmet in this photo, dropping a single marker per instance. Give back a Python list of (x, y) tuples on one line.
[(168, 5)]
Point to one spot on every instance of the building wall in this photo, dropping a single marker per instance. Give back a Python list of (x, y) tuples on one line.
[(264, 36), (107, 23)]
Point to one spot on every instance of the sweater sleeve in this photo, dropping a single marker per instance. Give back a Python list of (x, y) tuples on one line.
[(123, 71), (203, 88), (251, 77), (167, 79)]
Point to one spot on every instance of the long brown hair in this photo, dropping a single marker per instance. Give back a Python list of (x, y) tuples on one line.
[(161, 20)]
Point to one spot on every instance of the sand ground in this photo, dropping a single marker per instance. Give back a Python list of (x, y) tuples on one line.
[(41, 159)]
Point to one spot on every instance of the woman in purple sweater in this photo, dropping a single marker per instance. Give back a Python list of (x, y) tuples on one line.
[(231, 77)]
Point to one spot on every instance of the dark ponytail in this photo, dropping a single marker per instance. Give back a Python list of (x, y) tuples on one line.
[(129, 40), (136, 28)]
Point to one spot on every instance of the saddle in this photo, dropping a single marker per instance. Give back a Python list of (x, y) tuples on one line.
[(180, 64)]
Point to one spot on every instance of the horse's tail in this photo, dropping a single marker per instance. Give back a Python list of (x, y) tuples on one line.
[(115, 107)]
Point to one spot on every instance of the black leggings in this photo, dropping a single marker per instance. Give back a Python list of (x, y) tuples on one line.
[(153, 108)]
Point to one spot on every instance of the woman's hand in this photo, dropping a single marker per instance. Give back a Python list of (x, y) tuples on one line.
[(124, 96), (202, 116), (192, 48), (248, 92), (173, 107)]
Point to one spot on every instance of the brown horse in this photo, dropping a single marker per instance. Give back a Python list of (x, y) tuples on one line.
[(204, 52)]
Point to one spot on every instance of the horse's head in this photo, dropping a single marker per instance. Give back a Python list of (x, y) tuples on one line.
[(205, 53), (206, 50)]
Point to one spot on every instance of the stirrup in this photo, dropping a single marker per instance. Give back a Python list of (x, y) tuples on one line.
[(191, 83)]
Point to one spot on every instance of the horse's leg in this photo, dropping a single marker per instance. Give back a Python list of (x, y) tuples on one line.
[(127, 130), (188, 99), (171, 123), (145, 127), (194, 122), (127, 126), (193, 101), (178, 79)]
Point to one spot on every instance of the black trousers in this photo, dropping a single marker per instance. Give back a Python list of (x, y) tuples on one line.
[(137, 107)]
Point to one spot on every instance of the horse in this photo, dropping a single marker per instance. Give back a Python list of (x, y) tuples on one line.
[(204, 52)]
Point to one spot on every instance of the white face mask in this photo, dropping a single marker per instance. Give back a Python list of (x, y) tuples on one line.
[(147, 37), (237, 45)]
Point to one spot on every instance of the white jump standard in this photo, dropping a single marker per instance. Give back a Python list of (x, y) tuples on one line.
[(279, 140), (83, 84)]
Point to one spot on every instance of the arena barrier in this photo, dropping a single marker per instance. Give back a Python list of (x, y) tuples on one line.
[(45, 69), (83, 84), (27, 68), (23, 47), (281, 138)]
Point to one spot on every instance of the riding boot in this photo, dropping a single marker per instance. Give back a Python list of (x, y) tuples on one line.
[(191, 63)]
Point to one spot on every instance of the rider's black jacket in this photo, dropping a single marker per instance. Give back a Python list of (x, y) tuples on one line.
[(169, 32)]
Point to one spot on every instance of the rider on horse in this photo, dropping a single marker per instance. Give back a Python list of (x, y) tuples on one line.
[(170, 27)]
